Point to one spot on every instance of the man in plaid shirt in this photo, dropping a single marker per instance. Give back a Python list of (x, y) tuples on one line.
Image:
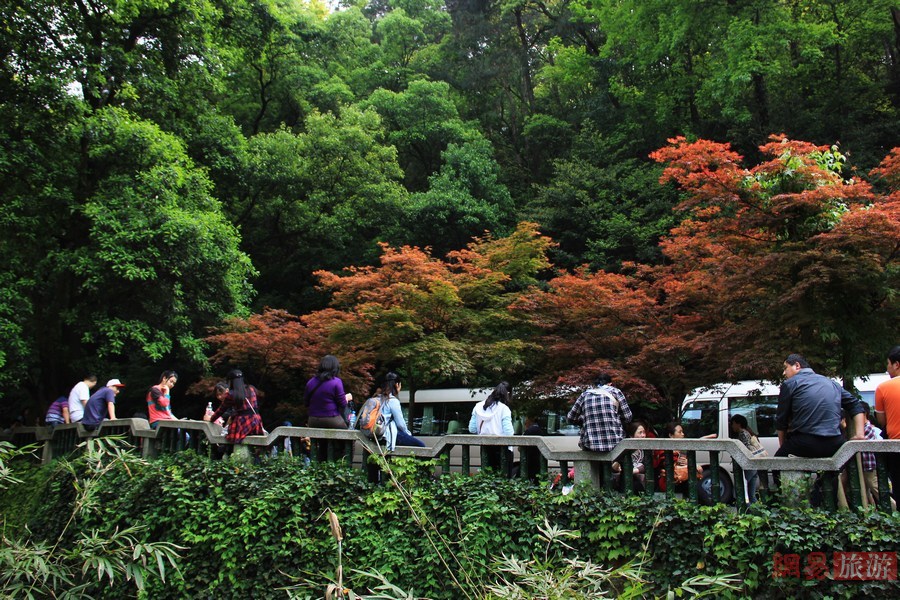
[(600, 411)]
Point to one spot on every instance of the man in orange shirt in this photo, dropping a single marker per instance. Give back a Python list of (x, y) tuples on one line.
[(887, 414)]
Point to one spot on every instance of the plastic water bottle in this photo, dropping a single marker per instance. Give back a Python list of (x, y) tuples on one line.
[(352, 419), (209, 410)]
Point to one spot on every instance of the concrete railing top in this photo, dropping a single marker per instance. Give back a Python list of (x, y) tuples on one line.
[(558, 448)]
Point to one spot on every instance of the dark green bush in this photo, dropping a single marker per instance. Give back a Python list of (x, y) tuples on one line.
[(251, 530)]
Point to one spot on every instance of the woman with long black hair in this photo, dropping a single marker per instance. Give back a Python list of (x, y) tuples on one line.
[(240, 405), (396, 432), (740, 427), (493, 417), (159, 399), (326, 399)]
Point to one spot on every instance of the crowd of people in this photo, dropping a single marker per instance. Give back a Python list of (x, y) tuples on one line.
[(815, 416), (328, 405)]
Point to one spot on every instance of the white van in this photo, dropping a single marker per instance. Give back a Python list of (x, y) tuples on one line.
[(441, 411), (707, 411)]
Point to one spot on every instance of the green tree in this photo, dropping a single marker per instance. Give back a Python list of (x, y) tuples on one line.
[(420, 122), (157, 59), (463, 200), (270, 61), (347, 51), (602, 206), (742, 70), (316, 200), (128, 254)]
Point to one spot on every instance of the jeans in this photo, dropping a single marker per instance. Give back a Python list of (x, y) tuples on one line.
[(752, 479), (404, 439)]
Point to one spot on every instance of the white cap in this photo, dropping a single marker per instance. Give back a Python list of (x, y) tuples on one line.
[(114, 382)]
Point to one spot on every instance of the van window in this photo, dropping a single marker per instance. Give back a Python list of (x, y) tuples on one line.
[(700, 417), (760, 412), (435, 418)]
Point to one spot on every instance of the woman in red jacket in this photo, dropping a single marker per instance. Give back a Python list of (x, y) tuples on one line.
[(240, 405)]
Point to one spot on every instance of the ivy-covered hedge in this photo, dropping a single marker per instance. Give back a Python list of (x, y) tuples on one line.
[(251, 530)]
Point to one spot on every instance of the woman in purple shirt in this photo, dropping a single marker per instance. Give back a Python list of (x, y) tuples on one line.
[(325, 396)]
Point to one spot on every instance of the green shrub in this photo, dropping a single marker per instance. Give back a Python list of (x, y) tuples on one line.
[(253, 530), (58, 555)]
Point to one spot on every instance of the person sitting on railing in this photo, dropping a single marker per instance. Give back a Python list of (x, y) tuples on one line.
[(221, 392), (101, 405), (240, 405), (635, 430), (493, 417), (600, 411), (78, 397), (159, 399), (866, 460), (674, 431), (887, 415), (396, 432), (58, 412), (808, 420), (325, 397), (741, 428)]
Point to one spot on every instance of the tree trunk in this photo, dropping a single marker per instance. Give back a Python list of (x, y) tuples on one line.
[(527, 84)]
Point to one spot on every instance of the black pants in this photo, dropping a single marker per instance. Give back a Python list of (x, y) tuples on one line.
[(494, 454), (813, 446), (810, 446)]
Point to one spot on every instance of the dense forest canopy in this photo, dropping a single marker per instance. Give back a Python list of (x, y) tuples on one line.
[(175, 169)]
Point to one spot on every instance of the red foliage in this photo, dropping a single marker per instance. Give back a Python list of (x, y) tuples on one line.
[(435, 321), (889, 170), (282, 351), (786, 256), (711, 171), (591, 322)]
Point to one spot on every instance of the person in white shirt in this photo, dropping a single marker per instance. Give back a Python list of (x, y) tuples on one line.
[(493, 417), (78, 397)]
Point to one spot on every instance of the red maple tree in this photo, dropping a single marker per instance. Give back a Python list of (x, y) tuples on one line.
[(436, 322), (787, 256)]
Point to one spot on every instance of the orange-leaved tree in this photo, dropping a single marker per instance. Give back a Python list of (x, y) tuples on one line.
[(279, 352), (588, 323), (437, 321), (786, 256)]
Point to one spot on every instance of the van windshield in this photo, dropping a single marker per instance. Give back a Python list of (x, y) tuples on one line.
[(700, 417)]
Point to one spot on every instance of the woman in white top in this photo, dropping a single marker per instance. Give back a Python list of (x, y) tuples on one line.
[(396, 432), (493, 417)]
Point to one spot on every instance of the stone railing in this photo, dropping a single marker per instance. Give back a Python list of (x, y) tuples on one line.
[(455, 453)]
